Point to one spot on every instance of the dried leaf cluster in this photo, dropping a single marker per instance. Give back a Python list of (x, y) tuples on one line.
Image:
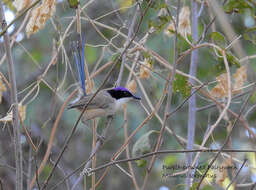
[(22, 113), (21, 4), (184, 27), (39, 16), (221, 89)]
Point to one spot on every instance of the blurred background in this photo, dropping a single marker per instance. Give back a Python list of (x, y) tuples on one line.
[(44, 83)]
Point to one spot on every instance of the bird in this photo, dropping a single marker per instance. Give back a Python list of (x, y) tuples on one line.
[(106, 102)]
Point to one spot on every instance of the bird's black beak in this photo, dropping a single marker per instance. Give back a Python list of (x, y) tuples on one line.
[(136, 97)]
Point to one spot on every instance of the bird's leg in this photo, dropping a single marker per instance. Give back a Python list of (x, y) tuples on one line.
[(86, 124), (102, 138)]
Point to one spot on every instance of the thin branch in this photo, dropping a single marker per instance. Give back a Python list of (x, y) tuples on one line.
[(166, 152), (93, 96), (50, 143), (99, 143), (14, 102), (233, 180), (227, 138), (5, 28), (130, 32), (171, 77), (128, 151)]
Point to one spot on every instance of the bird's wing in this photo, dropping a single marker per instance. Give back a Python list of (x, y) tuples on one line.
[(101, 100)]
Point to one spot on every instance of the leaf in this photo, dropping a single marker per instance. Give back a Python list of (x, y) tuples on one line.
[(194, 186), (141, 162), (40, 15), (180, 84), (21, 4), (131, 86), (240, 77), (207, 187), (252, 160), (145, 143), (232, 61), (249, 35), (124, 4), (221, 89), (238, 6), (159, 23), (218, 38), (145, 68), (9, 116), (170, 160), (226, 182), (184, 28), (73, 3)]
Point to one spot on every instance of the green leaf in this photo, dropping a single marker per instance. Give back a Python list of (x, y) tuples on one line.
[(180, 84), (73, 3), (249, 35), (194, 186), (145, 143), (207, 187), (159, 23), (141, 162), (238, 6), (170, 160), (91, 54), (232, 61), (218, 38)]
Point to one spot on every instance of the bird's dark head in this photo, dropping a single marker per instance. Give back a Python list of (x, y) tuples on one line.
[(121, 92)]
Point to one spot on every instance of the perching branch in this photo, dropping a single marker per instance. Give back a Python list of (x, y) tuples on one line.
[(99, 143)]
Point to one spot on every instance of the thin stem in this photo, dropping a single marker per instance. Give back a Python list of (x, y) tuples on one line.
[(169, 97), (99, 143), (228, 136), (130, 32), (192, 100), (14, 102)]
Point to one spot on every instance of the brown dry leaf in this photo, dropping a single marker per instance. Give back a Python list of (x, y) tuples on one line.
[(169, 31), (21, 4), (22, 112), (132, 86), (221, 89), (184, 27), (184, 22), (2, 89), (145, 69), (240, 77), (40, 15), (220, 175)]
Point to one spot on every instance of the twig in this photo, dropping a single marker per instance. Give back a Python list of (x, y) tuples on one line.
[(127, 150), (227, 138), (131, 28), (14, 102), (85, 106), (154, 111), (232, 181), (50, 143), (169, 98), (99, 143), (166, 152), (5, 28), (29, 139)]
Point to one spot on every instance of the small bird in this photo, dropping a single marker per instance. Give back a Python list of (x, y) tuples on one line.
[(106, 103)]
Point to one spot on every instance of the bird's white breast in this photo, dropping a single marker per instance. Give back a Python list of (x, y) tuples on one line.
[(120, 102)]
